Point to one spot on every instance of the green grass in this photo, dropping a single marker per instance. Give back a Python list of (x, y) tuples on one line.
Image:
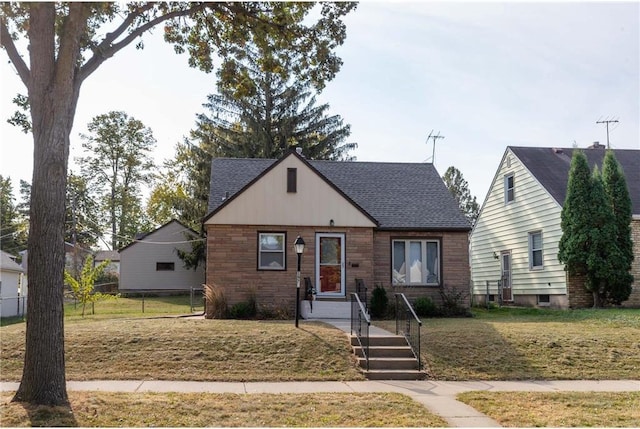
[(519, 344), (565, 409), (136, 306), (101, 409)]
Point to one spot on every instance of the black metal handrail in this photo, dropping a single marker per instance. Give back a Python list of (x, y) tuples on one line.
[(361, 290), (408, 324), (360, 324)]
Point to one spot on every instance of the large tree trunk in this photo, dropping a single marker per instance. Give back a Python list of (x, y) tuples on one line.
[(53, 93)]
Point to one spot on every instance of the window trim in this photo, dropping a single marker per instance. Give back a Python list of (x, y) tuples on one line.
[(531, 250), (507, 189), (259, 252), (169, 266), (423, 241)]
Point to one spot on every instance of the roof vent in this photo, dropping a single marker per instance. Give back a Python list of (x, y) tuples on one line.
[(226, 195), (596, 145), (557, 150)]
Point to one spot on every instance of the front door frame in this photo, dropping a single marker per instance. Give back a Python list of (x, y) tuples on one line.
[(506, 275), (342, 292)]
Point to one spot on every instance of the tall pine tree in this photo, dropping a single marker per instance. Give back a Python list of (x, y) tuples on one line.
[(615, 185), (603, 252), (573, 249)]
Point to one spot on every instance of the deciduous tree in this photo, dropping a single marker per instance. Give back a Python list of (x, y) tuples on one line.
[(83, 286), (117, 162), (66, 43)]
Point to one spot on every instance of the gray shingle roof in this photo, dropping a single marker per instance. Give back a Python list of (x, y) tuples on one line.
[(8, 264), (396, 195), (550, 166)]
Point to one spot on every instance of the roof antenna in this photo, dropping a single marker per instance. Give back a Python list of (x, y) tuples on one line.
[(434, 137), (607, 122)]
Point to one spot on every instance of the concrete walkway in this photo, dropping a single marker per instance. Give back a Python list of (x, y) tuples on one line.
[(437, 396)]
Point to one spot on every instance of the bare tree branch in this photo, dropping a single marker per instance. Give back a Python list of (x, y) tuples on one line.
[(7, 43)]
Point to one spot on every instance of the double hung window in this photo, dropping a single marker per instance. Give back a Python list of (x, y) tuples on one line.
[(271, 251), (416, 262), (535, 250), (509, 188)]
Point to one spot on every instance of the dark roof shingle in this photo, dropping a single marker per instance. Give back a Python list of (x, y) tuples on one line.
[(397, 195), (550, 166)]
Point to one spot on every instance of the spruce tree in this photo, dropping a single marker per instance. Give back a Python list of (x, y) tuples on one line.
[(603, 253), (618, 286), (574, 218)]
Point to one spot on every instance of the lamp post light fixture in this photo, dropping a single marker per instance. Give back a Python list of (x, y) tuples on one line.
[(299, 246)]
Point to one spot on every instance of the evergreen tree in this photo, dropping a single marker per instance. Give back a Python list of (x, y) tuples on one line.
[(12, 225), (271, 114), (459, 188), (573, 249), (615, 185), (603, 252)]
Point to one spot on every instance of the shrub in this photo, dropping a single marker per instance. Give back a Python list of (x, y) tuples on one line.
[(245, 310), (215, 304), (453, 302), (425, 307), (379, 302)]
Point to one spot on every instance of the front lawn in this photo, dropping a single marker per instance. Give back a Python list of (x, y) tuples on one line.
[(522, 344)]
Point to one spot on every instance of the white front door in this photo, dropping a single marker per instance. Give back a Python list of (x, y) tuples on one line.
[(330, 265)]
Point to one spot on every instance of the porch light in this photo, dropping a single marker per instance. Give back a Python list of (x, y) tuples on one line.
[(299, 246)]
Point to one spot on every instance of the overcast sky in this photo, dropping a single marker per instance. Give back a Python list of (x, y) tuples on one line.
[(483, 75)]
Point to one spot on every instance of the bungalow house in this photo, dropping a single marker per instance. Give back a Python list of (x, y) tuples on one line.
[(13, 287), (151, 262), (515, 239), (390, 224)]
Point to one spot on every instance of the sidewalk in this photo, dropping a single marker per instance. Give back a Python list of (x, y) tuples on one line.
[(437, 396)]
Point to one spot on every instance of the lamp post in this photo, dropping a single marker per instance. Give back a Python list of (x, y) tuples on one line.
[(299, 246)]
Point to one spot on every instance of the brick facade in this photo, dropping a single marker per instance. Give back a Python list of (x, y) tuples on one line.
[(232, 263), (634, 299), (455, 263), (581, 298)]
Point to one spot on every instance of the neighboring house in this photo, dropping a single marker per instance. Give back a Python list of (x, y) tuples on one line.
[(113, 256), (151, 263), (74, 256), (13, 287), (517, 233), (390, 224)]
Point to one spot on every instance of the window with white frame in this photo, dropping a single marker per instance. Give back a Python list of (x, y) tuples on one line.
[(271, 250), (415, 262), (509, 188), (535, 250)]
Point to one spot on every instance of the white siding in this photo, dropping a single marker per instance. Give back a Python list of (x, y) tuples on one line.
[(267, 202), (12, 298), (138, 262), (506, 227)]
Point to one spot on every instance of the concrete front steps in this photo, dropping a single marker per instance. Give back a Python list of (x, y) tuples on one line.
[(390, 358)]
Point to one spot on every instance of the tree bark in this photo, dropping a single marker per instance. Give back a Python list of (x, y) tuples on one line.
[(53, 95)]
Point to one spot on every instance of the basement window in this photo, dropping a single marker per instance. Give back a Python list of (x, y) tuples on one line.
[(544, 300), (165, 266)]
